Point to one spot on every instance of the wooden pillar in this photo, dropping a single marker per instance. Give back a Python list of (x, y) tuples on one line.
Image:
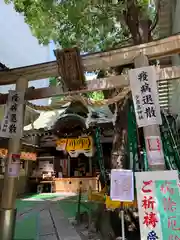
[(90, 166), (26, 167), (69, 166)]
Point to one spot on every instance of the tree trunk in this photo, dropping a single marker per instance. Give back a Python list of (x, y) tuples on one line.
[(119, 147), (140, 31)]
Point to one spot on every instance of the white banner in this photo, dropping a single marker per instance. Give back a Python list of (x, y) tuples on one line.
[(143, 83), (150, 225), (122, 185), (12, 123)]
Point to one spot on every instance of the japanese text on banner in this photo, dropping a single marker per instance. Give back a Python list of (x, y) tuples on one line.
[(12, 123), (167, 193), (145, 96), (148, 203), (150, 214)]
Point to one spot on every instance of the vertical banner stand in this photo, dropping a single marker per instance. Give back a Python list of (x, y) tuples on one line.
[(122, 222)]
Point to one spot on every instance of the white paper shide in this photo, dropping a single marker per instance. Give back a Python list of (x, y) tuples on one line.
[(122, 185), (12, 122), (143, 83)]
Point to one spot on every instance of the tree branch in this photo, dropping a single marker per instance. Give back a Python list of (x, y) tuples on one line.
[(131, 17), (156, 19)]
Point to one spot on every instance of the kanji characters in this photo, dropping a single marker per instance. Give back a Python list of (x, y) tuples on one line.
[(172, 223), (152, 236), (13, 118), (143, 76), (12, 128), (154, 144), (4, 127), (169, 204), (150, 112), (150, 219), (148, 202), (166, 188), (15, 98), (138, 107), (13, 107), (140, 115), (147, 99), (145, 88)]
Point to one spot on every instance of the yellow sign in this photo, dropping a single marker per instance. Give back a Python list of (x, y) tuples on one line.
[(117, 204), (75, 146)]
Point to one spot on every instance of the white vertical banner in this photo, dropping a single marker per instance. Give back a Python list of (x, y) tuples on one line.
[(149, 218), (143, 83), (12, 123)]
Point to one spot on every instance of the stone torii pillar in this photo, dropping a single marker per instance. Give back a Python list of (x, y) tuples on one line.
[(153, 130), (8, 200)]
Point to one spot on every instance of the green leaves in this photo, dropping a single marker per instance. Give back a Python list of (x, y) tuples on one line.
[(89, 26), (96, 95)]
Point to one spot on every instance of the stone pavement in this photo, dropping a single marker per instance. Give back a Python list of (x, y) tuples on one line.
[(45, 221)]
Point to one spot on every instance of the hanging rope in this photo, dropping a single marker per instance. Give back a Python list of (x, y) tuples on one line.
[(120, 97)]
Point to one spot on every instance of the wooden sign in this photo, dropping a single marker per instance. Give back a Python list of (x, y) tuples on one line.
[(75, 146)]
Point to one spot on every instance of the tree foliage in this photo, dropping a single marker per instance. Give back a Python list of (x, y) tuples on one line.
[(84, 23)]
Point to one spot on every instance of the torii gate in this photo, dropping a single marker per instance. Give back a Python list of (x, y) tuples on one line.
[(153, 50), (20, 76)]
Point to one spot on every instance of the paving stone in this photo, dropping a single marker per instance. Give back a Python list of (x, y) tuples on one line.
[(45, 223), (48, 237), (64, 229)]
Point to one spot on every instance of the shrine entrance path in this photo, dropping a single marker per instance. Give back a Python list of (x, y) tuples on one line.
[(34, 219)]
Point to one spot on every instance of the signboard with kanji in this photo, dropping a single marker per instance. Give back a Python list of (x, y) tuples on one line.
[(12, 123), (143, 83), (159, 214)]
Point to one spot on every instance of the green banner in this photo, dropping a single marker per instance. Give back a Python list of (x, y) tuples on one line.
[(168, 199)]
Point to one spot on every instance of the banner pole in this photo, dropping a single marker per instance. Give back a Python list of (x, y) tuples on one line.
[(122, 222)]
